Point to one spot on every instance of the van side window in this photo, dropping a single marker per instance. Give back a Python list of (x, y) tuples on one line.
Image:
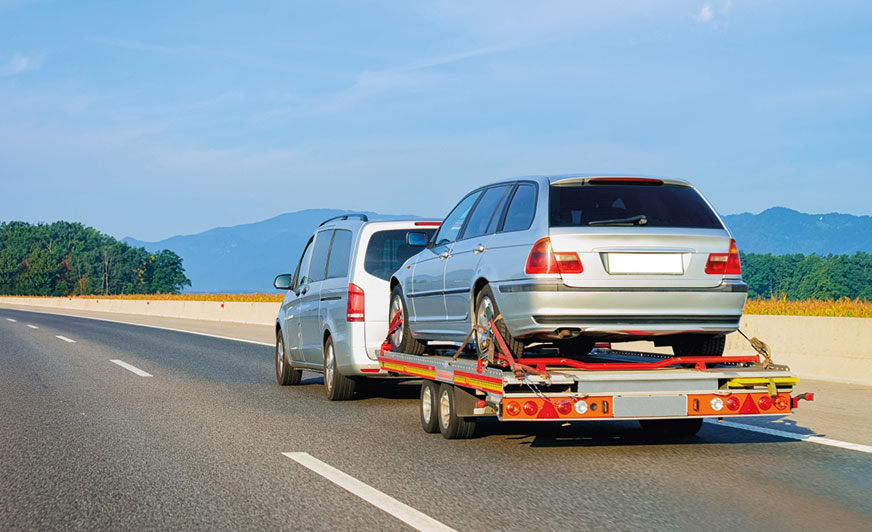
[(450, 228), (521, 209), (340, 254), (318, 266), (485, 211), (301, 276)]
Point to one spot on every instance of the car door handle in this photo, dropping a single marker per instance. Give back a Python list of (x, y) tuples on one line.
[(445, 255), (304, 290), (479, 249)]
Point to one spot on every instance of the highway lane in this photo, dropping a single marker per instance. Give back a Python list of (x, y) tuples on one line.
[(86, 443)]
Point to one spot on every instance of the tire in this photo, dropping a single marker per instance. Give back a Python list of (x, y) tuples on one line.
[(577, 347), (484, 298), (338, 386), (700, 346), (672, 427), (285, 374), (402, 341), (452, 426), (428, 410)]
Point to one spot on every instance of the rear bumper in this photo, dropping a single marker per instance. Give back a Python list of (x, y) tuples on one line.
[(539, 307)]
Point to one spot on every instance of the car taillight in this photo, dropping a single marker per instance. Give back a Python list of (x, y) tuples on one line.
[(725, 263), (354, 310), (543, 259)]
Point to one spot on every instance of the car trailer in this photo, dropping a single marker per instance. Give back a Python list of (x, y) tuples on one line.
[(667, 394)]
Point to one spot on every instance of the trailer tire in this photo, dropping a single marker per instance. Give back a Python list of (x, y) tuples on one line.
[(486, 296), (672, 427), (285, 373), (402, 340), (451, 425), (337, 386), (429, 410)]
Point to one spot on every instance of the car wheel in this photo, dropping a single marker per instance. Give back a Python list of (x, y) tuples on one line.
[(483, 301), (700, 346), (401, 340), (429, 409), (285, 374), (577, 347), (452, 426), (338, 386), (672, 427)]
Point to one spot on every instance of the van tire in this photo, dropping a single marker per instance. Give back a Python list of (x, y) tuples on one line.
[(285, 373), (337, 386)]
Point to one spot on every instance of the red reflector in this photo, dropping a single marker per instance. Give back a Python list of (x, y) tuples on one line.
[(749, 406), (636, 180), (602, 345), (428, 224), (530, 408), (354, 308), (765, 403), (370, 370), (733, 402), (513, 408), (480, 404), (564, 407)]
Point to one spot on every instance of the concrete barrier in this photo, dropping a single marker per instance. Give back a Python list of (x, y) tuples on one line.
[(834, 349)]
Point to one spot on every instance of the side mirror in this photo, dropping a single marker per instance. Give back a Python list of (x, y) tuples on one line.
[(283, 281), (417, 239)]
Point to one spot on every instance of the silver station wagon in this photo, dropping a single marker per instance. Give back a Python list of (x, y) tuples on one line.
[(572, 260)]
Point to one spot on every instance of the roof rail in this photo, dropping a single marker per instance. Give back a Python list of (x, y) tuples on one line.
[(363, 217)]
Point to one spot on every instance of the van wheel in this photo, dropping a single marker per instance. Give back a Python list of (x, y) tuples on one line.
[(452, 426), (700, 346), (285, 374), (483, 301), (401, 340), (338, 386)]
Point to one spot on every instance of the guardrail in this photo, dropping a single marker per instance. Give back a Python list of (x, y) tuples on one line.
[(834, 349)]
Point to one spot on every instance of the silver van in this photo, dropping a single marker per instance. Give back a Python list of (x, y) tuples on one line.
[(334, 316), (571, 260)]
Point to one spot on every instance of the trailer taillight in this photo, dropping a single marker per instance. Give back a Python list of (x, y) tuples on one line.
[(513, 408), (725, 263), (765, 403), (564, 407), (543, 259), (781, 403), (354, 310), (717, 404), (530, 408), (733, 403)]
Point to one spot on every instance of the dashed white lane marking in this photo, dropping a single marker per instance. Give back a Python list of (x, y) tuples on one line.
[(32, 326), (386, 503), (10, 319), (134, 369), (795, 436), (65, 339)]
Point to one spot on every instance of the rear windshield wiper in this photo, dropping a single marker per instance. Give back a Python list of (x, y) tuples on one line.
[(632, 220)]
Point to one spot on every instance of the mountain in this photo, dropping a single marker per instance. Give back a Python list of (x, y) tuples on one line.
[(246, 258), (782, 231)]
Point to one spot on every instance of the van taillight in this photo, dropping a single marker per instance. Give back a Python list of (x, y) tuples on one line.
[(354, 310), (725, 263), (542, 259)]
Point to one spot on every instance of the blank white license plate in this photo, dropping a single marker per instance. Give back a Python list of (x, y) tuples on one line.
[(646, 263)]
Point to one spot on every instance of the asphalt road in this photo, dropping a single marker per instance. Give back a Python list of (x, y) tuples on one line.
[(87, 444)]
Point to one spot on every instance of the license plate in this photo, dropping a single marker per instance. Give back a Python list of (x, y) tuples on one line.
[(645, 263), (650, 406)]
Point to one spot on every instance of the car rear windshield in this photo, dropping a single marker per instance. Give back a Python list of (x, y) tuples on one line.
[(387, 251), (614, 204)]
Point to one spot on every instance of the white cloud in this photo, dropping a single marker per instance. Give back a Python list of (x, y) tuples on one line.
[(705, 14), (19, 63)]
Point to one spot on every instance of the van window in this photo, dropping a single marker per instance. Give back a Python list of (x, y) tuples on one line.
[(454, 221), (485, 211), (318, 266), (582, 205), (301, 276), (521, 209), (387, 251), (340, 254)]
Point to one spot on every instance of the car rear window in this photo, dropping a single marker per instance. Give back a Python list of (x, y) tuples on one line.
[(387, 251), (661, 205)]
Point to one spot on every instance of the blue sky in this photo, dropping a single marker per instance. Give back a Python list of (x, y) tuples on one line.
[(150, 119)]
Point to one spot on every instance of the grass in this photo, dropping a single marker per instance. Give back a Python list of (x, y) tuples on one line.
[(840, 308)]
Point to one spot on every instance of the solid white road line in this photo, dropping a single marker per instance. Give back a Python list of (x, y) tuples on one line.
[(32, 326), (386, 503), (795, 436), (10, 319), (65, 339), (150, 327), (134, 369)]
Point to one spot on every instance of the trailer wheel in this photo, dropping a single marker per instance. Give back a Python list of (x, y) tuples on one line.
[(402, 340), (429, 409), (285, 374), (672, 427), (452, 426)]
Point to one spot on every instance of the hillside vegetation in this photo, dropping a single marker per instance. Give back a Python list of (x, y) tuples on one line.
[(63, 258), (801, 277)]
